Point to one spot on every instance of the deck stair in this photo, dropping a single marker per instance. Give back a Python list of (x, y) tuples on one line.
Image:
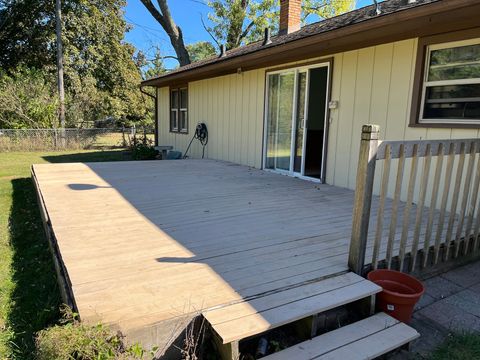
[(365, 339), (238, 321), (241, 320)]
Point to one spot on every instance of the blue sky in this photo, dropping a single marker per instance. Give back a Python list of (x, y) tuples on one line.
[(146, 33)]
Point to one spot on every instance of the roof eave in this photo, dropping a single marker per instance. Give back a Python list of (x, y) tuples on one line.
[(418, 21)]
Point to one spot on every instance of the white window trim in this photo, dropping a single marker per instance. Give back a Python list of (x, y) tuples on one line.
[(178, 110), (426, 83), (174, 126), (185, 110)]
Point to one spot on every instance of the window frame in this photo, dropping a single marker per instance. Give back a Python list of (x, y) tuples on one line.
[(425, 46), (178, 110)]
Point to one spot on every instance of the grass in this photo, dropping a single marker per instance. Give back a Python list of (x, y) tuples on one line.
[(44, 142), (29, 296), (459, 347)]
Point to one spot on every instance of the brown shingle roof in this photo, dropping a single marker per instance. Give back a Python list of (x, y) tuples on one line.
[(364, 14)]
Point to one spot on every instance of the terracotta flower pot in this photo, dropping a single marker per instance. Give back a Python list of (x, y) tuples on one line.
[(400, 293)]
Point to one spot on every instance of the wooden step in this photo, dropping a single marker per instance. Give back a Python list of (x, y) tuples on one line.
[(241, 320), (365, 339)]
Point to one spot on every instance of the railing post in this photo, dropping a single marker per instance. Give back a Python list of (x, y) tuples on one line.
[(363, 197)]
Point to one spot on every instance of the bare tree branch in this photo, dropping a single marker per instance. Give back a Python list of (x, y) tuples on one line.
[(246, 31), (199, 2), (174, 32), (208, 31), (162, 58)]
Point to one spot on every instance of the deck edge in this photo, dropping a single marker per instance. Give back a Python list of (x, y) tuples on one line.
[(64, 283)]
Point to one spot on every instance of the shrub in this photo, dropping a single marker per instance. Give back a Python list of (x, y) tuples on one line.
[(72, 340), (27, 99), (143, 149)]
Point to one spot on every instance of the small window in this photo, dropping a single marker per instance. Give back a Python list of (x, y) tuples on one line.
[(179, 110), (451, 84)]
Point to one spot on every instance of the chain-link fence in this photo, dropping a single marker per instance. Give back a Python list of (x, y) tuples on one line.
[(56, 139)]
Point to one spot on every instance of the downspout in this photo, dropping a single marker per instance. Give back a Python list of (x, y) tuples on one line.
[(154, 97)]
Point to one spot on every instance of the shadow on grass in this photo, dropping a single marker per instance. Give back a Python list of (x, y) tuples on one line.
[(94, 156), (36, 299)]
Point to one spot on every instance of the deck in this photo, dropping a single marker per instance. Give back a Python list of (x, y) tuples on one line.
[(147, 245)]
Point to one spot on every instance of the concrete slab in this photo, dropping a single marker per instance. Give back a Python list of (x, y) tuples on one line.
[(424, 301), (439, 287), (466, 300), (476, 288), (451, 317), (465, 276)]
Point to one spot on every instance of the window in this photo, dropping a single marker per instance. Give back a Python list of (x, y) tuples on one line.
[(450, 92), (179, 110)]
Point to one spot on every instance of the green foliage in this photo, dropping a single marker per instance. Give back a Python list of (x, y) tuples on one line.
[(75, 340), (143, 149), (101, 76), (236, 22), (201, 50), (29, 296), (27, 33), (154, 67), (27, 99), (324, 9), (464, 346), (465, 58), (99, 59)]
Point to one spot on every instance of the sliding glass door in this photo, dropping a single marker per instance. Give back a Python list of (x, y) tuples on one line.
[(300, 114), (279, 120), (291, 94)]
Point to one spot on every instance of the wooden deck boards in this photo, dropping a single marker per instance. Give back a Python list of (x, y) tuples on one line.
[(241, 320), (365, 339), (147, 243)]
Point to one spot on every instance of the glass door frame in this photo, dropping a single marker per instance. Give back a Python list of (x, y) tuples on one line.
[(297, 70)]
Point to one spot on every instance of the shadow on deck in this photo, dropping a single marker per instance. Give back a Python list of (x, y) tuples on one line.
[(148, 245)]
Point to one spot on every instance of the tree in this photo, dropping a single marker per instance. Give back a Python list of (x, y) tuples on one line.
[(28, 99), (59, 45), (325, 9), (201, 50), (27, 33), (152, 67), (99, 64), (164, 18), (236, 22), (96, 53)]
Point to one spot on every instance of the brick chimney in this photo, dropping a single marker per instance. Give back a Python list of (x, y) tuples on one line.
[(290, 16)]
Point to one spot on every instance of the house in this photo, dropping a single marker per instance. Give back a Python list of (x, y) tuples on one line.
[(295, 103), (157, 246)]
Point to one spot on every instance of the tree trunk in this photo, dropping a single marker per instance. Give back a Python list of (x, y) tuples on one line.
[(235, 31), (164, 18), (61, 90)]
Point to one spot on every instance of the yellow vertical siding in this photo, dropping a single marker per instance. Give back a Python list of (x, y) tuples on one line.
[(346, 108), (372, 85), (232, 108)]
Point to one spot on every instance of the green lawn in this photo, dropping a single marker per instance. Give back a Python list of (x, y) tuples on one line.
[(459, 347), (29, 297)]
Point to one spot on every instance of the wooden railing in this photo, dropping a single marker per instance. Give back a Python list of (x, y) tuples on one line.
[(438, 206)]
